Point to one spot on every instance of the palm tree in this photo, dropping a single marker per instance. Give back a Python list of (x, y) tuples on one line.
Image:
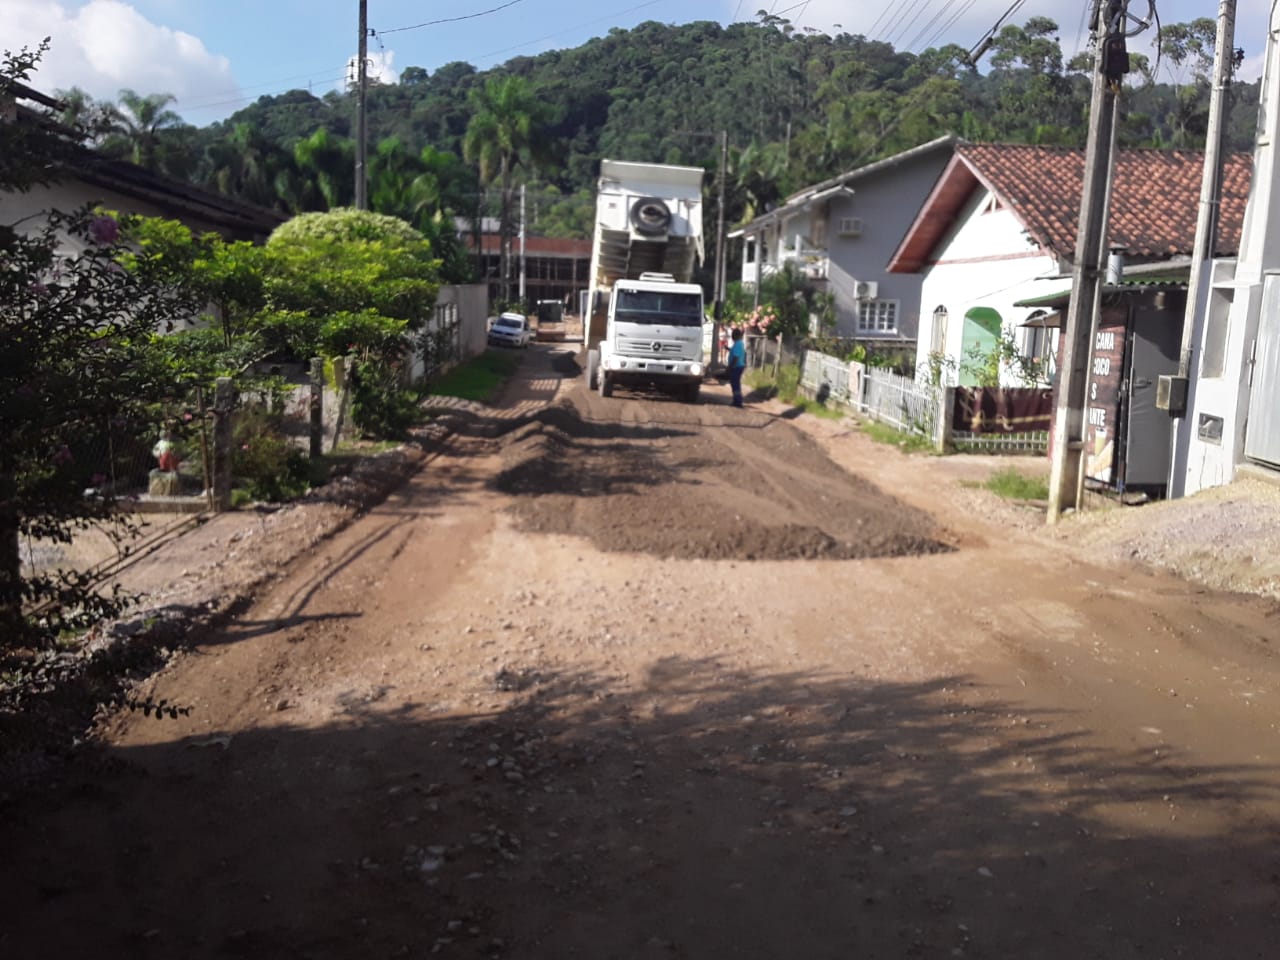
[(329, 159), (79, 111), (506, 130), (139, 120), (245, 165)]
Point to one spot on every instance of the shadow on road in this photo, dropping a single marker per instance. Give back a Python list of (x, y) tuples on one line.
[(698, 811)]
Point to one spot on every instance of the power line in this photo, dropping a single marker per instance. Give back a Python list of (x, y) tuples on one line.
[(467, 16), (900, 11), (942, 12), (910, 15), (955, 17), (891, 5), (218, 97), (245, 100)]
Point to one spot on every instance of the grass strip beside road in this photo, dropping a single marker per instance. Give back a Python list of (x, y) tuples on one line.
[(1015, 485), (480, 378)]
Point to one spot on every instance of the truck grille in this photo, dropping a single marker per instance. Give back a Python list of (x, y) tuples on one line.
[(654, 347)]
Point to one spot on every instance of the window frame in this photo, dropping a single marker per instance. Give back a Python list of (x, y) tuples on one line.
[(871, 310)]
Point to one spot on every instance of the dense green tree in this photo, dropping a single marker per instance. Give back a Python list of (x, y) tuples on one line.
[(248, 165)]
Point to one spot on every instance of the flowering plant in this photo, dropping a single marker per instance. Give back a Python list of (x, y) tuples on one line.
[(762, 320)]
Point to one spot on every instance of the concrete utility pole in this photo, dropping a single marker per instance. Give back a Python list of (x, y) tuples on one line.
[(720, 270), (1066, 476), (1206, 223), (522, 235), (362, 86)]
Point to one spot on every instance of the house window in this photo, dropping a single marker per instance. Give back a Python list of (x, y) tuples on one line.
[(850, 226), (938, 337), (878, 316)]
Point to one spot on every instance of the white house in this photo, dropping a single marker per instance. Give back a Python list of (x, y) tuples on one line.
[(839, 234), (999, 229)]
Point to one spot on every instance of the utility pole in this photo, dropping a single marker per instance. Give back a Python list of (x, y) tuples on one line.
[(720, 270), (1111, 62), (362, 86), (1206, 227), (522, 257)]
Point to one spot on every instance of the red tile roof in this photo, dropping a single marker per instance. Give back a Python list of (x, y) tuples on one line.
[(1154, 201)]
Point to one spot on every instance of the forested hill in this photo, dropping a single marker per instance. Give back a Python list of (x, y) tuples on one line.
[(797, 107)]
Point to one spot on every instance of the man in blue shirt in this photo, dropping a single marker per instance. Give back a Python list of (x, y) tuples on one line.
[(737, 365)]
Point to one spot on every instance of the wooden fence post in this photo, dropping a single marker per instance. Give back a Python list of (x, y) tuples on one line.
[(223, 406), (317, 407)]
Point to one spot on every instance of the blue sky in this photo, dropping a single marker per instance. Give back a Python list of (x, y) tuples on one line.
[(216, 56)]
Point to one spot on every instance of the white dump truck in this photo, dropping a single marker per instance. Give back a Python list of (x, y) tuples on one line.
[(644, 321)]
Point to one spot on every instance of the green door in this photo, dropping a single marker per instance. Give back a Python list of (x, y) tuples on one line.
[(981, 334)]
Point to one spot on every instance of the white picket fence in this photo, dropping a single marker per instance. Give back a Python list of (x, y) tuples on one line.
[(901, 402)]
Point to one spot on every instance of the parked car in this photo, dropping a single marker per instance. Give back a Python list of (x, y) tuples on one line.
[(510, 330)]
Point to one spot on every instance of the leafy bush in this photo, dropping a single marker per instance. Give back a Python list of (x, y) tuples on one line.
[(270, 466), (380, 405)]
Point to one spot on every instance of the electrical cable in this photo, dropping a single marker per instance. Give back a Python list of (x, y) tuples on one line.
[(891, 5), (942, 12), (248, 100), (906, 27), (965, 7), (904, 9), (468, 16), (217, 94)]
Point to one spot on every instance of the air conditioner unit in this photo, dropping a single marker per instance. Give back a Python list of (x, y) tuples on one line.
[(850, 227), (865, 289)]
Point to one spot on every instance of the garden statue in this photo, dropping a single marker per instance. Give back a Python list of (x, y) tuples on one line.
[(164, 482)]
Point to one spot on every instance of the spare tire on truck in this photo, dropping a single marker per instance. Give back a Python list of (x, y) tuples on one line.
[(650, 215)]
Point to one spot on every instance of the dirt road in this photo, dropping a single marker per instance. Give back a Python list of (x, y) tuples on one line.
[(631, 678)]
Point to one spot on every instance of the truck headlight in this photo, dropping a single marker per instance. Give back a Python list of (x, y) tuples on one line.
[(695, 369)]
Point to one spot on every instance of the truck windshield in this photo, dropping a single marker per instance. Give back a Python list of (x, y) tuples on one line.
[(658, 307)]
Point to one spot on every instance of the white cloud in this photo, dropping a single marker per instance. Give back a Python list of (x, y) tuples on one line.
[(105, 45)]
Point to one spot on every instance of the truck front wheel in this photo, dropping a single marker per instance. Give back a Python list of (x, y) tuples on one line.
[(691, 392), (606, 383)]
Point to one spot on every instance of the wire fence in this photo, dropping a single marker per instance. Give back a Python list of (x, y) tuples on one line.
[(903, 403)]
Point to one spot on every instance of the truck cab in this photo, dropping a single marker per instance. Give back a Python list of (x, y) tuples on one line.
[(653, 336)]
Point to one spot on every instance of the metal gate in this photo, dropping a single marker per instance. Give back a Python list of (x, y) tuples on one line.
[(1262, 440)]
